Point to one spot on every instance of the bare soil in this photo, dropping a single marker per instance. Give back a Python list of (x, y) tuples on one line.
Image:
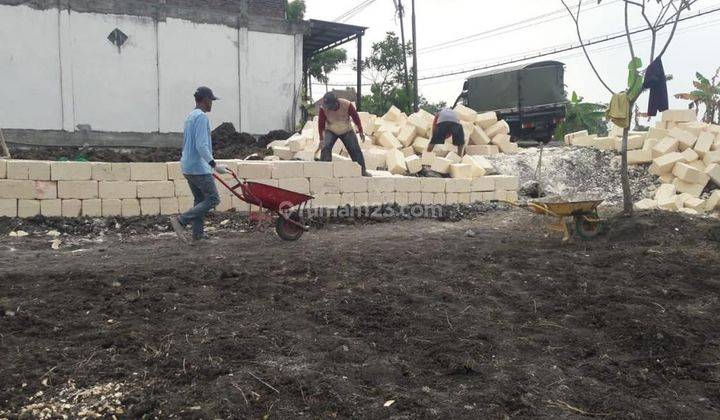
[(409, 319)]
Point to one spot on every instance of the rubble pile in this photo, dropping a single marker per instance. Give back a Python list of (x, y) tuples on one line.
[(681, 151), (398, 143)]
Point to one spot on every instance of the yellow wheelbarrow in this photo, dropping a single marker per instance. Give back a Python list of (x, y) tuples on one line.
[(588, 224)]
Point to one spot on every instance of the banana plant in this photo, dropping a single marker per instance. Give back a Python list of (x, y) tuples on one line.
[(707, 92)]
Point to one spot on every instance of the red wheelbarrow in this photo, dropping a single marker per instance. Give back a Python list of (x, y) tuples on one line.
[(288, 205)]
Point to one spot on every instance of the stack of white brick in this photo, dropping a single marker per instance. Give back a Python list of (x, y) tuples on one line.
[(72, 189), (682, 152), (398, 143)]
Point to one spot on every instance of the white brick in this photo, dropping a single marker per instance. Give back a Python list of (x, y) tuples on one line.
[(439, 199), (298, 185), (482, 184), (130, 207), (428, 158), (704, 143), (3, 168), (402, 198), (486, 120), (665, 191), (408, 151), (381, 184), (271, 182), (71, 208), (78, 189), (155, 189), (396, 162), (414, 197), (182, 188), (665, 163), (458, 185), (328, 201), (28, 169), (186, 203), (282, 169), (254, 170), (103, 171), (148, 171), (118, 189), (441, 165), (679, 115), (711, 157), (28, 208), (318, 169), (639, 156), (324, 185), (427, 198), (686, 139), (388, 140), (421, 124), (414, 164), (461, 170), (15, 188), (713, 203), (695, 204), (360, 199), (420, 145), (169, 206), (346, 169), (673, 203), (150, 206), (408, 184), (657, 133), (483, 150), (505, 182), (500, 127), (465, 113), (433, 185), (687, 173), (452, 198), (407, 135), (713, 171), (646, 204), (8, 207), (51, 208), (71, 171), (174, 171), (92, 208), (685, 187), (45, 190), (511, 196), (237, 204), (665, 146), (111, 207), (353, 185), (501, 195)]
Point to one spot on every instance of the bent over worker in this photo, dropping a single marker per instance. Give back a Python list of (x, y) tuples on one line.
[(447, 124), (197, 164), (335, 123)]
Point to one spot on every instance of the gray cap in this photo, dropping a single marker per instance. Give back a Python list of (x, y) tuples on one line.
[(204, 92)]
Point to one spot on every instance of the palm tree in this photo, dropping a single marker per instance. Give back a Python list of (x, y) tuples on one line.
[(707, 92), (580, 116)]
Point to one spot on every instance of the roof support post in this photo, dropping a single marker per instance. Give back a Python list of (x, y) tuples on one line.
[(358, 65)]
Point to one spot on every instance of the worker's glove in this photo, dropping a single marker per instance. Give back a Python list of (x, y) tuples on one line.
[(362, 137), (222, 169)]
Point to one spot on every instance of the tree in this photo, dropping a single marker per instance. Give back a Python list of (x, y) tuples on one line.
[(430, 107), (295, 10), (707, 92), (386, 68), (322, 64), (665, 13), (582, 116)]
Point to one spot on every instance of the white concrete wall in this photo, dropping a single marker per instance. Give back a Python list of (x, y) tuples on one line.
[(29, 69), (58, 70)]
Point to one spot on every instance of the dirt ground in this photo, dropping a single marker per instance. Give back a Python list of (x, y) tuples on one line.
[(409, 319)]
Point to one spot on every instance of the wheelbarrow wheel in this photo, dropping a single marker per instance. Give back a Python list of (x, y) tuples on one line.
[(287, 230), (588, 229)]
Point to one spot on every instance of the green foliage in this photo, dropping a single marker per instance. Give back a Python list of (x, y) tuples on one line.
[(582, 116), (386, 68), (295, 10), (322, 64), (432, 108), (707, 92)]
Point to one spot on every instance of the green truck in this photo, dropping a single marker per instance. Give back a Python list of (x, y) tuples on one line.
[(530, 97)]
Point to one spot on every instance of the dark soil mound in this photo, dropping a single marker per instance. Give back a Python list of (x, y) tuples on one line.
[(270, 137)]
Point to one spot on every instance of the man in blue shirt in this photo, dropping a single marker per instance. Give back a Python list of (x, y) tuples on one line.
[(197, 165)]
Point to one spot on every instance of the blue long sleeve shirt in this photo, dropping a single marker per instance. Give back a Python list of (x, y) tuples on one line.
[(197, 145)]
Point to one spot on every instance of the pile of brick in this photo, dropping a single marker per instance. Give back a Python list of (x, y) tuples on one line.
[(71, 189), (682, 152), (398, 143)]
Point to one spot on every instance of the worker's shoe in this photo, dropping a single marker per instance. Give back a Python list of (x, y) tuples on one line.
[(367, 174), (179, 228)]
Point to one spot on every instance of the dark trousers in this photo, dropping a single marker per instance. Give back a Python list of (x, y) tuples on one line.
[(351, 143), (206, 198)]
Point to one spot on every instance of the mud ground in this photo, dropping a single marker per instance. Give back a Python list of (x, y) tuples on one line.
[(410, 319)]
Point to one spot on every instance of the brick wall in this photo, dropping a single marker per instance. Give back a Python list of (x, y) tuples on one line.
[(268, 8), (73, 189)]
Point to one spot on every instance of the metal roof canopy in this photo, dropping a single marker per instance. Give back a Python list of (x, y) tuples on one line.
[(518, 67), (325, 35)]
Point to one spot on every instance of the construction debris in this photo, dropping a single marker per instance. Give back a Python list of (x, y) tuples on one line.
[(681, 151), (398, 143)]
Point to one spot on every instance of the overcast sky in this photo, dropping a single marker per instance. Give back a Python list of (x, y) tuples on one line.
[(695, 47)]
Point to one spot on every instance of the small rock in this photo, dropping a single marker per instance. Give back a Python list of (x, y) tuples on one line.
[(53, 233), (18, 234), (470, 233)]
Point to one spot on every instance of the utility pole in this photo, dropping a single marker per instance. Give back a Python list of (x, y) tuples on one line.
[(401, 14), (415, 64)]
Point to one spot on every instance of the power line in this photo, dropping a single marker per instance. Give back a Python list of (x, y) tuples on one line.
[(601, 40), (354, 11), (509, 28)]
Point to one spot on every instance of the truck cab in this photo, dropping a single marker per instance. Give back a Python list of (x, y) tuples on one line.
[(530, 98)]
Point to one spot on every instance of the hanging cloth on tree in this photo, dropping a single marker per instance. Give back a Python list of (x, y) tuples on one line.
[(635, 80), (656, 81), (619, 110)]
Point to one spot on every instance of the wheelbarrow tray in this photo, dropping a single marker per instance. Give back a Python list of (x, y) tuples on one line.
[(272, 198), (568, 208)]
